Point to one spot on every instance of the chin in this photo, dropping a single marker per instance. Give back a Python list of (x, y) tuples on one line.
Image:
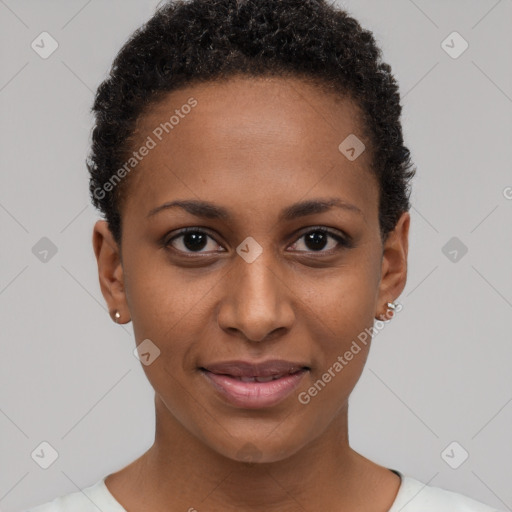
[(260, 449)]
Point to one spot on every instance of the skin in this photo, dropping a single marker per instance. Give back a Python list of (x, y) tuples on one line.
[(254, 147)]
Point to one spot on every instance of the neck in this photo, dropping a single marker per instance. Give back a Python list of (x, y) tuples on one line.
[(181, 470)]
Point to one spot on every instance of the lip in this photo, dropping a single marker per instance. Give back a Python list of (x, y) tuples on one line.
[(226, 379), (252, 369)]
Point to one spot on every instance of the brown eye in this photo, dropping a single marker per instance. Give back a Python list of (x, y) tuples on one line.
[(319, 238), (192, 240)]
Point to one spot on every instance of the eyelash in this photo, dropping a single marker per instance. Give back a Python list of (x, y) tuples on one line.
[(343, 241)]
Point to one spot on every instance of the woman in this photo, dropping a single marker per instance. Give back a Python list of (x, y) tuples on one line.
[(249, 163)]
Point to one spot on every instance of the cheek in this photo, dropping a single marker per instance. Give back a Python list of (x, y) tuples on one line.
[(342, 301), (339, 351), (339, 309), (173, 311), (164, 301)]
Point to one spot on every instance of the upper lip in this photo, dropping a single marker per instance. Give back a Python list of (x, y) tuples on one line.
[(250, 369)]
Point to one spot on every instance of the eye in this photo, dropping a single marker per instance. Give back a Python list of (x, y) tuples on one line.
[(191, 240), (318, 238), (194, 240)]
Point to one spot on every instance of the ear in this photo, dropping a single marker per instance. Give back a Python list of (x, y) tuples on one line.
[(110, 270), (394, 264)]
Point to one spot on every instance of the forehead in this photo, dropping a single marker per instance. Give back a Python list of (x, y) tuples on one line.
[(260, 106), (231, 139)]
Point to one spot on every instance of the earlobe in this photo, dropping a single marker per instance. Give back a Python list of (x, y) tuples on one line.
[(394, 264), (110, 270)]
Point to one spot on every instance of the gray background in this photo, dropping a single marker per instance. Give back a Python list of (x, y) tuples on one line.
[(440, 372)]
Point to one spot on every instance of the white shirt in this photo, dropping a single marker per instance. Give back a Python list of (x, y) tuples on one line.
[(412, 496)]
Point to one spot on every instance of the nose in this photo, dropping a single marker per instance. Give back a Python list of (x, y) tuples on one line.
[(257, 302)]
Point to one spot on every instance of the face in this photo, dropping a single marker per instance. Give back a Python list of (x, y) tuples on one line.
[(282, 260)]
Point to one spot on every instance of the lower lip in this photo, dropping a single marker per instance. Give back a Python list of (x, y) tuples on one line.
[(254, 395)]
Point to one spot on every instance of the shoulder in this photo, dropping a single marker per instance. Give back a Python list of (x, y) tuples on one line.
[(91, 499), (415, 496)]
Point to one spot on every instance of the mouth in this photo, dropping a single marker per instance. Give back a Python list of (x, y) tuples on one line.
[(254, 386), (258, 379)]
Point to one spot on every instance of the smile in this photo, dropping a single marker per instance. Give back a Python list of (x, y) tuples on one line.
[(255, 392)]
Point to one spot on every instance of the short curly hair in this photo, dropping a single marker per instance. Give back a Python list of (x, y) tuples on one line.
[(187, 42)]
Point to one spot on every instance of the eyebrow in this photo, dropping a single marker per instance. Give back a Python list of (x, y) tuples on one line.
[(209, 210)]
